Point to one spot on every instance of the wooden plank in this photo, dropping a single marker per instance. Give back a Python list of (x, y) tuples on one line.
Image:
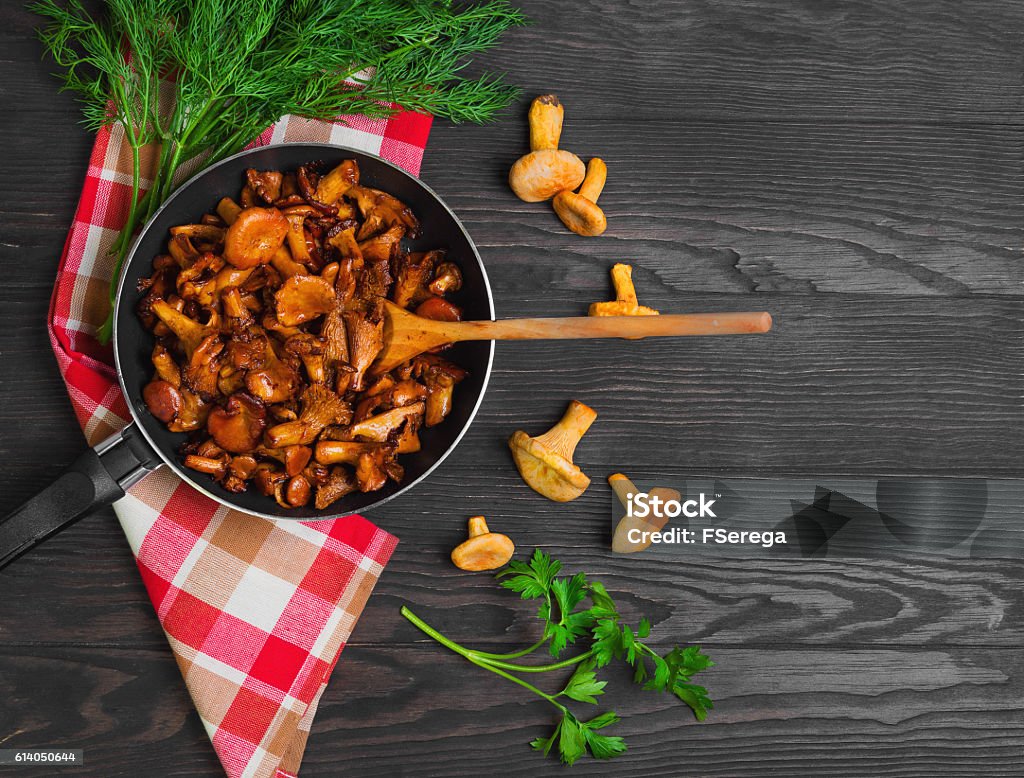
[(844, 384), (128, 710), (709, 207), (423, 711), (712, 207), (826, 713), (81, 588), (939, 60), (727, 602)]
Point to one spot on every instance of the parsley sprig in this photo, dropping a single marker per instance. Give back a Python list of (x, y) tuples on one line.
[(575, 609)]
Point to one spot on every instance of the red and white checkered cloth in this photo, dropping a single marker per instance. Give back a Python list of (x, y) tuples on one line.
[(256, 611)]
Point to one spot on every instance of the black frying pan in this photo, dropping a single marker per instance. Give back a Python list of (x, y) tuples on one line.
[(101, 475)]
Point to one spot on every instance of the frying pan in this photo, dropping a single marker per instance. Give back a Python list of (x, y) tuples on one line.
[(101, 475)]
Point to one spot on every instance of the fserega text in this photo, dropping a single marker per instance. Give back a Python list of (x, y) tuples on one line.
[(708, 536)]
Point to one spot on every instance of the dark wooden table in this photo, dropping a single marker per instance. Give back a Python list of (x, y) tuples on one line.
[(857, 168)]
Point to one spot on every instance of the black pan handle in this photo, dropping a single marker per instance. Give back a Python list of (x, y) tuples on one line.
[(97, 478)]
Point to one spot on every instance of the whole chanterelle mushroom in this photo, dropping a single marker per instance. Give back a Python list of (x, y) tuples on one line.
[(579, 211), (624, 540), (625, 302), (546, 170), (485, 550), (545, 462)]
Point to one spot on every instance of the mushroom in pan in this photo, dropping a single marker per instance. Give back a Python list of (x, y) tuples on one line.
[(333, 186), (380, 427), (381, 211), (238, 425), (320, 408), (414, 273), (340, 481), (384, 246), (347, 452), (266, 185), (202, 372), (303, 298), (189, 332), (275, 380), (374, 468), (163, 399), (267, 316), (310, 349), (365, 333), (440, 377), (254, 237), (447, 279)]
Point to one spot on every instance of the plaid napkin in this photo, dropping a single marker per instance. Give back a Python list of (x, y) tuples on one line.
[(256, 612)]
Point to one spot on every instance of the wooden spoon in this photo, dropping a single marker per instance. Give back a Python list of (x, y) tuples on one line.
[(407, 335)]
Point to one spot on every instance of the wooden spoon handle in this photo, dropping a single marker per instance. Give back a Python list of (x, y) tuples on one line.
[(631, 327)]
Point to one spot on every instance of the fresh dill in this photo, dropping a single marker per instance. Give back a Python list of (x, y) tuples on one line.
[(237, 66)]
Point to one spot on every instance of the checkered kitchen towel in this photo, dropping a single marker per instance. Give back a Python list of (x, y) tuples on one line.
[(256, 611)]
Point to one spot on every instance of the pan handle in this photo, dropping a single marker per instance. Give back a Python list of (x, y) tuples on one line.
[(97, 478)]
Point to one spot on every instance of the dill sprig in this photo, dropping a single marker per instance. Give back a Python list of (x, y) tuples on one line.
[(237, 66)]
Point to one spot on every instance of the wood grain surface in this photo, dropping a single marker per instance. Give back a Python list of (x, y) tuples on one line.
[(857, 169)]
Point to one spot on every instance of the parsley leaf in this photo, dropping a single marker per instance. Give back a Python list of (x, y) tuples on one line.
[(601, 599), (571, 743), (531, 580), (575, 738), (568, 593), (603, 746), (694, 696), (583, 686), (603, 720), (688, 661), (607, 643)]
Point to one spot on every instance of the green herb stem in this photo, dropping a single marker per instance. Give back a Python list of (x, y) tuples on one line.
[(122, 242), (518, 668), (495, 667), (497, 671), (515, 654)]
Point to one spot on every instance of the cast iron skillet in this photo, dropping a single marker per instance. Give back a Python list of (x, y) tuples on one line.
[(102, 474)]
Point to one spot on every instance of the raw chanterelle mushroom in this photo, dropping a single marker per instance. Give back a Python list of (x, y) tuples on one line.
[(546, 170), (655, 522), (545, 462), (485, 550), (579, 211), (625, 302)]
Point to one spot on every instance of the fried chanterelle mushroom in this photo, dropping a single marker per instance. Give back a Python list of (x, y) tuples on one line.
[(267, 315)]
